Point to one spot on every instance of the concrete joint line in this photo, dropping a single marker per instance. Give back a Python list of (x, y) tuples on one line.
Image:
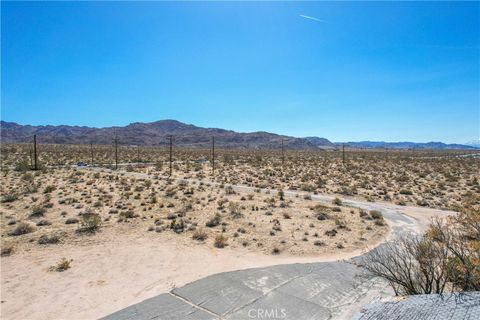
[(195, 306)]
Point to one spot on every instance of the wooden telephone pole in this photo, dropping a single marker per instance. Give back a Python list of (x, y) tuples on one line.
[(213, 156), (116, 152), (35, 167), (171, 153), (91, 152)]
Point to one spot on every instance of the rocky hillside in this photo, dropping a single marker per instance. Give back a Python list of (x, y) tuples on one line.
[(153, 133)]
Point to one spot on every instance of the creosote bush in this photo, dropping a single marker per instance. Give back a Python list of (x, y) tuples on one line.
[(7, 250), (199, 235), (446, 257), (220, 241), (22, 228), (38, 211), (90, 222)]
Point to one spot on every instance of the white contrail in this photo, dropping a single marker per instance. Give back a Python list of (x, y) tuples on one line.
[(312, 18)]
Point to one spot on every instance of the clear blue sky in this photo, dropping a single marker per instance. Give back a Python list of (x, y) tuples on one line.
[(344, 71)]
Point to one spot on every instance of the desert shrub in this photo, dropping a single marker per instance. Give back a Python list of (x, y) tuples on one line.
[(341, 224), (125, 215), (49, 189), (199, 235), (159, 165), (411, 265), (220, 241), (45, 239), (38, 211), (71, 221), (98, 204), (177, 226), (7, 250), (337, 202), (406, 192), (322, 216), (22, 166), (275, 250), (43, 222), (170, 192), (377, 215), (242, 230), (22, 228), (229, 190), (319, 243), (11, 197), (331, 233), (422, 203), (90, 222), (214, 221), (447, 256), (460, 235), (27, 177), (221, 203), (62, 265), (235, 210)]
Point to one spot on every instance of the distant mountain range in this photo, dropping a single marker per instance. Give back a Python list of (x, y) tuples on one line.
[(474, 143), (154, 134), (404, 145), (187, 135)]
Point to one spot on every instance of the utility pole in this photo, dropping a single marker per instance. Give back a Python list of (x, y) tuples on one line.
[(283, 155), (91, 152), (35, 152), (116, 152), (213, 156), (171, 150), (343, 152)]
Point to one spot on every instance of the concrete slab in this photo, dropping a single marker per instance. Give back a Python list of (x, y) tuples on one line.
[(278, 305), (220, 293), (162, 307)]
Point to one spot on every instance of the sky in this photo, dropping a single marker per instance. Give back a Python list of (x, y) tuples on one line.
[(348, 71)]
